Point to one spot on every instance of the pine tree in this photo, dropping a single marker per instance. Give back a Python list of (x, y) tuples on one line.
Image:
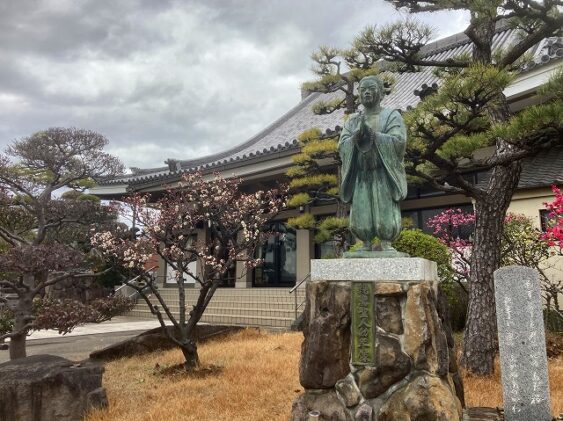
[(38, 229), (469, 112)]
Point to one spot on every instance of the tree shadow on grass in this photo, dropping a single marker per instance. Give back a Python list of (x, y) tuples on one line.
[(179, 371)]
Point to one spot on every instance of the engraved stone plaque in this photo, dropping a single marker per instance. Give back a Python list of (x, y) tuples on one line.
[(363, 324), (521, 334)]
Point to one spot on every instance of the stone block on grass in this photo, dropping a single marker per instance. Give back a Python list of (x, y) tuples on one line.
[(49, 388)]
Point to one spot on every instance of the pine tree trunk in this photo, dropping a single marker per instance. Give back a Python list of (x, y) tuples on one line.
[(22, 315), (480, 341), (17, 346)]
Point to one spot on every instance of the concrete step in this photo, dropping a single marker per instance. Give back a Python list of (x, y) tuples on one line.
[(230, 320), (233, 311), (264, 307), (171, 293), (243, 291), (247, 303)]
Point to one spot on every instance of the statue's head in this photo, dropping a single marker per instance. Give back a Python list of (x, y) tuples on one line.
[(371, 91)]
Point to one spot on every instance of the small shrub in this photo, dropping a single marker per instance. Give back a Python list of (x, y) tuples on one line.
[(65, 315), (107, 308), (62, 315), (419, 244)]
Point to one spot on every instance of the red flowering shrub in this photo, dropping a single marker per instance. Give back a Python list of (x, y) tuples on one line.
[(554, 232)]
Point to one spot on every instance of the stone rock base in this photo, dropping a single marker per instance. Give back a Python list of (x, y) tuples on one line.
[(325, 401), (483, 414), (414, 375), (49, 388)]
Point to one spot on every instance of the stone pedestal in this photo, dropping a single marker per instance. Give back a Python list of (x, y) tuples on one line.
[(376, 346)]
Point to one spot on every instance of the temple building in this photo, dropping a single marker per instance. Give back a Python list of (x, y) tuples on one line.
[(262, 161)]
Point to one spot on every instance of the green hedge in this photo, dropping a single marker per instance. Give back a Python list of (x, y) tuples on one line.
[(419, 244)]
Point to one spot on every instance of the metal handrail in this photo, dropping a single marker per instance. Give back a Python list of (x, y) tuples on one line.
[(134, 280), (292, 290), (299, 284)]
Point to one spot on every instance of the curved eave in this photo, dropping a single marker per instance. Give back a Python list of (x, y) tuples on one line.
[(109, 192), (256, 167)]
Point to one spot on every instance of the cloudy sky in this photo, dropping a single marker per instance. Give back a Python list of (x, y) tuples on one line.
[(164, 78)]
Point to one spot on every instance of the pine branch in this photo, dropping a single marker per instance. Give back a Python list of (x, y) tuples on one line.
[(411, 61), (529, 41), (432, 181)]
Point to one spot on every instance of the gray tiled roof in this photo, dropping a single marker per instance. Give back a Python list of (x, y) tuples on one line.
[(280, 135), (544, 169)]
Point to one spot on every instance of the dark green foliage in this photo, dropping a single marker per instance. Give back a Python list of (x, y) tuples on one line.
[(114, 275), (6, 321), (312, 185), (419, 244), (328, 227), (457, 301), (468, 112)]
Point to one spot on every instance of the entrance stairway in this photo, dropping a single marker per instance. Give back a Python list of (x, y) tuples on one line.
[(257, 307)]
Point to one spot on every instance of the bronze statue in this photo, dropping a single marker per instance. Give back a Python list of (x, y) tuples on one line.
[(372, 146)]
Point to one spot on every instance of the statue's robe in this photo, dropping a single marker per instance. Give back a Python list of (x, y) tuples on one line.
[(373, 175)]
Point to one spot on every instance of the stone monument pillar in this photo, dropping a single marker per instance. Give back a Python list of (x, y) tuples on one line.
[(523, 358), (375, 347)]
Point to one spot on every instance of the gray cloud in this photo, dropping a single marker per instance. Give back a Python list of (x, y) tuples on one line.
[(168, 78)]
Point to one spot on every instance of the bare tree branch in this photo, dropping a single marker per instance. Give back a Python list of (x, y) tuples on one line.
[(73, 275), (12, 238), (162, 303)]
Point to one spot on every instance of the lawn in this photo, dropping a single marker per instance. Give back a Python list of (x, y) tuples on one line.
[(250, 375)]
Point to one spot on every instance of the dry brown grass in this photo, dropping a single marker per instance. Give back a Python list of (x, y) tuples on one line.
[(487, 391), (259, 381)]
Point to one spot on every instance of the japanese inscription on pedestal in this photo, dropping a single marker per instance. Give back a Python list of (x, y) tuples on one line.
[(363, 324)]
